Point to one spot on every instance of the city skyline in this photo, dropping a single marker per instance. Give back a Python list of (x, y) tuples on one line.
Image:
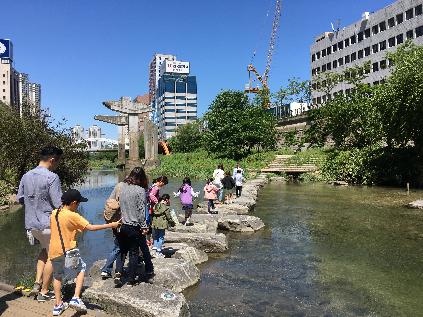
[(84, 54)]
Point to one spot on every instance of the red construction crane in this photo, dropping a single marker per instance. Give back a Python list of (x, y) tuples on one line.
[(251, 69)]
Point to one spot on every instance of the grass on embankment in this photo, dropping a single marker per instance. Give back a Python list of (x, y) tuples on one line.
[(200, 165)]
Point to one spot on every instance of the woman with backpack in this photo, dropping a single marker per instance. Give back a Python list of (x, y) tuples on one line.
[(132, 236), (112, 213)]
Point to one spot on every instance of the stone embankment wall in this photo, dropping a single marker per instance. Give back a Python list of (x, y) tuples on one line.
[(185, 247)]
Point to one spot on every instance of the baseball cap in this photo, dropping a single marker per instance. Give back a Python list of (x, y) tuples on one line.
[(73, 195)]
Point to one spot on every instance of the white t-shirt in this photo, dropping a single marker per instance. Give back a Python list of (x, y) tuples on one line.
[(236, 170), (218, 175), (238, 179)]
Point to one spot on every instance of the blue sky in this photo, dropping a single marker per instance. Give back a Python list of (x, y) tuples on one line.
[(86, 51)]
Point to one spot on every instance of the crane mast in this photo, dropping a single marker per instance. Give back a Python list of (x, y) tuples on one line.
[(251, 68)]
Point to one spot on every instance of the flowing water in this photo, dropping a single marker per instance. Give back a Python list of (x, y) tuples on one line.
[(325, 251)]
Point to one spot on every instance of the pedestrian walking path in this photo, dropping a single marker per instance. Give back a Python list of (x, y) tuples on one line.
[(281, 164), (15, 305)]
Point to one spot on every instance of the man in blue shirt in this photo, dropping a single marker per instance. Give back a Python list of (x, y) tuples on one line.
[(40, 192)]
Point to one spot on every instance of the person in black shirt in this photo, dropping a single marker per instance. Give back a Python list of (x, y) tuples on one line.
[(228, 187)]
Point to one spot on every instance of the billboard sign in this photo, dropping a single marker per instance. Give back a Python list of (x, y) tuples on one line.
[(174, 67), (6, 50)]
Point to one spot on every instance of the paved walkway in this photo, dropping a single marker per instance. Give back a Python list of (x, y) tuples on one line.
[(13, 305)]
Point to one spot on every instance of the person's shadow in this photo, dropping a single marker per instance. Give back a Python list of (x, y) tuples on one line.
[(7, 298)]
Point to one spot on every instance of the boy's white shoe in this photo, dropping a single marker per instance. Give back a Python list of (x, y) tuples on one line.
[(78, 305), (58, 310)]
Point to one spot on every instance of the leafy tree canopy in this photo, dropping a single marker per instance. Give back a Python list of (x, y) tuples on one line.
[(234, 127)]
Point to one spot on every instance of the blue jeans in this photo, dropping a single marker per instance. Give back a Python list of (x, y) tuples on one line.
[(220, 194), (108, 267), (158, 237)]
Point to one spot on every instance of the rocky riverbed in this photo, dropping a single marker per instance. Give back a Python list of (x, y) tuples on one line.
[(185, 247)]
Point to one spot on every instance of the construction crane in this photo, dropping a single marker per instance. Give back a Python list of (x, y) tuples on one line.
[(264, 90)]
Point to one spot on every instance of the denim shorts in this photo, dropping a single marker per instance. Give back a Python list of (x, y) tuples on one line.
[(187, 207), (59, 270)]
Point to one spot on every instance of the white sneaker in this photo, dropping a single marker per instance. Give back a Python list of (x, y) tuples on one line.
[(58, 310), (77, 304), (159, 255)]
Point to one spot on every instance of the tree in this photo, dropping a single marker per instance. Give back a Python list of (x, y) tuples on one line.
[(21, 140), (234, 127), (188, 137), (350, 120), (400, 99), (297, 90)]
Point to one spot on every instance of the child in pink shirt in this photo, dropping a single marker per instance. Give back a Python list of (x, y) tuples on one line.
[(210, 193)]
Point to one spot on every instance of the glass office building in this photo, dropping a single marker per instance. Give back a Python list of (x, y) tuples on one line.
[(176, 101)]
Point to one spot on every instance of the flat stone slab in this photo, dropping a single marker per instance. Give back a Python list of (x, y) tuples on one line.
[(186, 252), (208, 242), (417, 204), (145, 300), (171, 273), (240, 223), (209, 227), (231, 222)]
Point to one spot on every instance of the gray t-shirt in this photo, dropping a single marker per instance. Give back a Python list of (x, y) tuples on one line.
[(132, 199), (40, 192)]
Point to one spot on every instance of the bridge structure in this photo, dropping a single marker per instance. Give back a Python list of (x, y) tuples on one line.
[(282, 164), (130, 112)]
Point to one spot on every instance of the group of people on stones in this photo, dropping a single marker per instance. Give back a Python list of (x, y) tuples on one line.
[(223, 187), (139, 218)]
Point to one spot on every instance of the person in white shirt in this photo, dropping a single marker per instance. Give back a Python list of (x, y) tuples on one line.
[(239, 179), (218, 175), (235, 170)]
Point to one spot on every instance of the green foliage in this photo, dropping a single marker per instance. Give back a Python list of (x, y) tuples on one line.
[(21, 140), (200, 165), (188, 138), (351, 120), (296, 91), (110, 156), (290, 138), (377, 131), (235, 128), (400, 99), (349, 165)]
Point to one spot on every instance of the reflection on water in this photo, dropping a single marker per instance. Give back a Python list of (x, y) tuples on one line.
[(325, 251)]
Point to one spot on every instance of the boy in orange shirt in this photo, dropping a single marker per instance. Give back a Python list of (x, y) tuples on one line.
[(65, 222)]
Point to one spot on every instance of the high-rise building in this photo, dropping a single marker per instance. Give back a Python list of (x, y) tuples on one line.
[(8, 76), (94, 132), (29, 95), (367, 40), (176, 97), (154, 75), (77, 133), (15, 88)]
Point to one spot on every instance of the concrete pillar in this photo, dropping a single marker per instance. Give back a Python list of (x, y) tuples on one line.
[(134, 136), (147, 140), (121, 145)]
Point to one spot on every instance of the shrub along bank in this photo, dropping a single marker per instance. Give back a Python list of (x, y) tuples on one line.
[(21, 140), (200, 164)]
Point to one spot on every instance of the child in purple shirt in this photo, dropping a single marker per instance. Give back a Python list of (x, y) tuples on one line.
[(186, 193)]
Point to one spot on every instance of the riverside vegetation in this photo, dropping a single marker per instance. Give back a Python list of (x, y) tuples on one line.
[(21, 139)]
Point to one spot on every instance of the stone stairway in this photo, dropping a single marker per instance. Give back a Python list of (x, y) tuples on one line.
[(281, 165)]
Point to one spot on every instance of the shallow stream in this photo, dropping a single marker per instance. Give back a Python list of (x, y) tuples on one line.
[(325, 251)]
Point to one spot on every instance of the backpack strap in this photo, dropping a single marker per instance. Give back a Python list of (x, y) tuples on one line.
[(118, 190), (60, 232)]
